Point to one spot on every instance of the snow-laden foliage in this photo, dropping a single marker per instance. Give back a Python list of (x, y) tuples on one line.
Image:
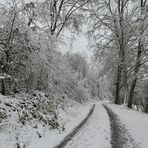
[(38, 79), (29, 110), (25, 112), (27, 117), (30, 52)]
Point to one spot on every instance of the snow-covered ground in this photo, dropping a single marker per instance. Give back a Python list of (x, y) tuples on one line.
[(33, 134), (71, 118), (95, 133), (135, 122)]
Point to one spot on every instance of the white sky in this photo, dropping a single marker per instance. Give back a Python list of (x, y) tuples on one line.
[(80, 45)]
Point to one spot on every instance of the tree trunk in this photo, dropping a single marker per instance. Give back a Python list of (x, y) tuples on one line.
[(122, 54), (117, 97), (130, 100), (3, 87), (137, 66), (146, 106)]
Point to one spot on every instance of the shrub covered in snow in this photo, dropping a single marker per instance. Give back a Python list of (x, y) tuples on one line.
[(29, 109)]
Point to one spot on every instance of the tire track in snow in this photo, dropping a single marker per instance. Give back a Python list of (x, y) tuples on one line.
[(95, 133), (75, 131), (120, 138)]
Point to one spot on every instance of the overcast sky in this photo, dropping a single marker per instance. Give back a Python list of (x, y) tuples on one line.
[(80, 45)]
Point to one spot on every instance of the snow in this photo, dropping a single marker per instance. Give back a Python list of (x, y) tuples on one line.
[(28, 135), (135, 122), (71, 118), (95, 133), (4, 76)]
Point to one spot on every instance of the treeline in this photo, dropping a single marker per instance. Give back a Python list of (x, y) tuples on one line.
[(119, 31), (30, 34)]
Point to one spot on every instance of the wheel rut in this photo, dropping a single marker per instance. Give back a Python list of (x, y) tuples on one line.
[(120, 138), (69, 137)]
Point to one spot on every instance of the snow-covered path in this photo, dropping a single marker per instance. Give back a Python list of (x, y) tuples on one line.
[(95, 133), (120, 137), (108, 128), (135, 122)]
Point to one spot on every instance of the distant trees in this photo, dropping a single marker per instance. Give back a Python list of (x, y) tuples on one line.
[(78, 64)]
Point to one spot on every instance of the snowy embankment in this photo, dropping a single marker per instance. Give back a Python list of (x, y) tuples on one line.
[(29, 121), (135, 122)]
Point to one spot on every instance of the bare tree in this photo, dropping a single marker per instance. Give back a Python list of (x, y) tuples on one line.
[(113, 16), (58, 14), (141, 38)]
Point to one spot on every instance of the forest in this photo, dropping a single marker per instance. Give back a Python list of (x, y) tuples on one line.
[(39, 82)]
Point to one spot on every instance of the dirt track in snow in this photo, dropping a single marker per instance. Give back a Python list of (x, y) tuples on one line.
[(75, 131), (120, 137)]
